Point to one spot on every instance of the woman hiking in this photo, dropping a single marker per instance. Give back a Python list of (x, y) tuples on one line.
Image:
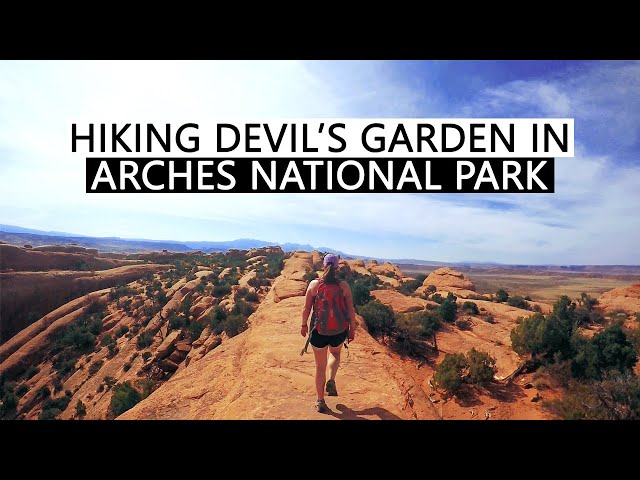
[(332, 322)]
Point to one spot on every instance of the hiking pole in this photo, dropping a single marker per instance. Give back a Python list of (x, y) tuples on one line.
[(306, 345)]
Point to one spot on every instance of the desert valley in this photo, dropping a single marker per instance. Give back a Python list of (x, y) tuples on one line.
[(88, 334)]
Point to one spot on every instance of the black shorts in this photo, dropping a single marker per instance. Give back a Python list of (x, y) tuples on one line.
[(321, 341)]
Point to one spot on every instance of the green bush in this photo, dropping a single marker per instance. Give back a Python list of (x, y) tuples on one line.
[(430, 290), (22, 390), (176, 322), (471, 308), (81, 409), (463, 324), (310, 276), (447, 310), (195, 330), (518, 302), (235, 324), (408, 288), (31, 371), (408, 333), (502, 296), (95, 367), (252, 297), (146, 356), (145, 339), (43, 393), (126, 367), (124, 397), (241, 293), (57, 384), (429, 321), (449, 372), (482, 367), (122, 330), (616, 397), (107, 340), (221, 290), (53, 407), (379, 318), (360, 293), (608, 350)]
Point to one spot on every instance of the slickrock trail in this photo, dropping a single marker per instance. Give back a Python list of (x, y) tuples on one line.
[(260, 374)]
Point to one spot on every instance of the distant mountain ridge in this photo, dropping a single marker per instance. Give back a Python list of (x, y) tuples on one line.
[(22, 236)]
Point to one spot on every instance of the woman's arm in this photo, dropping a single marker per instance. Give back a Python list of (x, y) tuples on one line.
[(308, 304)]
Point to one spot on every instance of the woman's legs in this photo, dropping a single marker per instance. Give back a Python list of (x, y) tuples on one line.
[(321, 370), (334, 360)]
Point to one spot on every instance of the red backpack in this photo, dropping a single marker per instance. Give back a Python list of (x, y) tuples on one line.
[(330, 312)]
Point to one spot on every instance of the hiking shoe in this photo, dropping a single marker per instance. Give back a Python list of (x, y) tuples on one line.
[(321, 406), (331, 388)]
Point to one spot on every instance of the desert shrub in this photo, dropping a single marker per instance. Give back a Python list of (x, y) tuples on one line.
[(124, 397), (53, 407), (449, 372), (482, 367), (615, 397), (126, 367), (234, 324), (242, 308), (112, 350), (57, 384), (528, 298), (487, 317), (109, 382), (528, 337), (95, 367), (407, 288), (360, 293), (252, 297), (429, 322), (120, 291), (608, 350), (378, 317), (436, 297), (310, 276), (518, 302), (107, 340), (216, 318), (407, 335), (64, 366), (43, 393), (195, 330), (145, 339), (431, 289), (95, 326), (241, 293), (447, 309), (81, 409), (190, 276), (463, 324), (22, 390), (176, 322), (502, 296), (122, 330), (221, 290), (31, 371), (470, 308), (146, 356)]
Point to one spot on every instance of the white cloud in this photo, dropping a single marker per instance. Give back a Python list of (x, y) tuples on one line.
[(592, 217)]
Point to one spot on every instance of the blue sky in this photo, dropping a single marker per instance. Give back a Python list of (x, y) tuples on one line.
[(591, 219)]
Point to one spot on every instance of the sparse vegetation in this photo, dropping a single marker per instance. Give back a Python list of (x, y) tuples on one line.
[(310, 276), (53, 407), (124, 397), (235, 324), (463, 324), (475, 368), (252, 297), (81, 410), (518, 302), (448, 308), (145, 339), (379, 317), (408, 288), (95, 367), (470, 308), (502, 296)]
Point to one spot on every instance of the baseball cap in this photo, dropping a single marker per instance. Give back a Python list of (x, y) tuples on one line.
[(330, 258)]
